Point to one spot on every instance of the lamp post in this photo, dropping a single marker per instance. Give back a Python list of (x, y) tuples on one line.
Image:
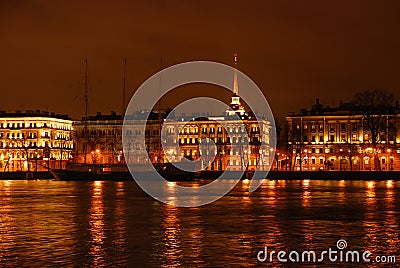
[(305, 158), (36, 163), (277, 161)]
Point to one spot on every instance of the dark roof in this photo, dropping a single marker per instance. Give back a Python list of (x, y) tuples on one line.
[(33, 113), (344, 108), (139, 115)]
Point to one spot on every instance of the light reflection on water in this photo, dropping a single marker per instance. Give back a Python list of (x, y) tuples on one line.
[(98, 224)]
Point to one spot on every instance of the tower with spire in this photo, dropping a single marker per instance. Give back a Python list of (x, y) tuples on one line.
[(235, 105)]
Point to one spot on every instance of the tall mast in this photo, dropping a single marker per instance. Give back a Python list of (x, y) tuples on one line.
[(85, 144), (86, 92), (124, 88)]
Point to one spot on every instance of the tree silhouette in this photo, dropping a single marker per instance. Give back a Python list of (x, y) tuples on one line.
[(374, 106)]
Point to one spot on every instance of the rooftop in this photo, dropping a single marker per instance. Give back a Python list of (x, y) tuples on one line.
[(33, 113), (344, 108)]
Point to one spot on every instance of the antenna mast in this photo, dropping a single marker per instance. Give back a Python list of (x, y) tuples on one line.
[(86, 111), (86, 92), (124, 88)]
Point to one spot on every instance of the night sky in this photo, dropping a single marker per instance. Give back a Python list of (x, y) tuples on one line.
[(294, 50)]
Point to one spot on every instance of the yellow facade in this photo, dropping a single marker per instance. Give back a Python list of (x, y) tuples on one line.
[(232, 145), (341, 141), (34, 141)]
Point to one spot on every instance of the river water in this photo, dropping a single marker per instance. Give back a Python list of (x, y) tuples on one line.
[(114, 224)]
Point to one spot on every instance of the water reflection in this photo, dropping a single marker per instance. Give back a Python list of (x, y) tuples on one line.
[(306, 194), (6, 221), (96, 223), (391, 226), (246, 200), (84, 224), (371, 226), (342, 191), (120, 230), (171, 254), (370, 193)]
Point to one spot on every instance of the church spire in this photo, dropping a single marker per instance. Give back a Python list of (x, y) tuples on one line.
[(235, 78), (235, 106)]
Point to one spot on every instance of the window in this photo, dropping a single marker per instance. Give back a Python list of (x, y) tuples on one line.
[(305, 139), (343, 127), (383, 160), (313, 150), (331, 127), (321, 138), (321, 160), (313, 138), (332, 138), (313, 161), (343, 138), (354, 137)]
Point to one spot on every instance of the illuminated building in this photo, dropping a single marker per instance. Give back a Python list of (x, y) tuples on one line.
[(33, 140), (337, 138), (235, 141), (99, 138), (236, 144)]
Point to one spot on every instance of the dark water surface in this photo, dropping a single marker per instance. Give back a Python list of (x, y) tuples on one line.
[(97, 224)]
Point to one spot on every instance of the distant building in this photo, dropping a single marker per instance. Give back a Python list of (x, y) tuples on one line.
[(99, 138), (234, 141), (241, 142), (236, 144), (338, 138), (34, 140)]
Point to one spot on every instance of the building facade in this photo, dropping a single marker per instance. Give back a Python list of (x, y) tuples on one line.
[(99, 138), (224, 143), (339, 138), (34, 140)]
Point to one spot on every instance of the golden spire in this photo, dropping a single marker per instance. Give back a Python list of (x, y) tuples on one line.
[(235, 79)]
